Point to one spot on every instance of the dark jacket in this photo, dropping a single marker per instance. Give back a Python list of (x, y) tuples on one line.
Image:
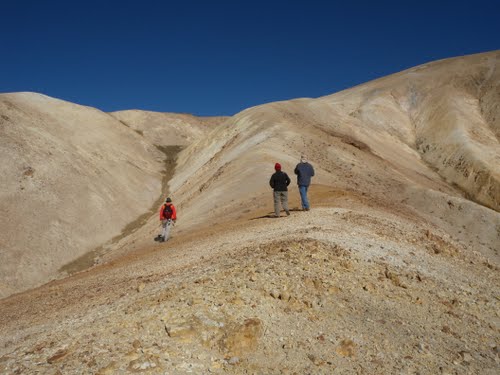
[(279, 181), (304, 172)]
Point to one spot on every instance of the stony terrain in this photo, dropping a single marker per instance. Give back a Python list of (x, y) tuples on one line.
[(393, 271), (341, 289)]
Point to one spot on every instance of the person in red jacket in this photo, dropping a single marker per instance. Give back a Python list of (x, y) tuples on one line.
[(168, 216)]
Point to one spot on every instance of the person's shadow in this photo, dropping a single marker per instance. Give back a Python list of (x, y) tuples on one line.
[(271, 214)]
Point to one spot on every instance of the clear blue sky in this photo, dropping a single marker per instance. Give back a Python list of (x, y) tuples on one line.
[(220, 57)]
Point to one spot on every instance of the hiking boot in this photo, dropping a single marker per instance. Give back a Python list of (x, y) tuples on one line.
[(287, 213), (306, 209)]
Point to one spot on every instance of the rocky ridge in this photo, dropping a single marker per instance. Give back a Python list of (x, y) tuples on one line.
[(352, 291)]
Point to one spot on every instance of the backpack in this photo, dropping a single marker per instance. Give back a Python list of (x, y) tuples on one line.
[(167, 211)]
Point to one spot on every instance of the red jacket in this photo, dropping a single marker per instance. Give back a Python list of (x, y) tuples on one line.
[(168, 215)]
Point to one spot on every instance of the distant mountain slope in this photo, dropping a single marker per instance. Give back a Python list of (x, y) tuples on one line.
[(449, 111), (168, 128), (72, 178)]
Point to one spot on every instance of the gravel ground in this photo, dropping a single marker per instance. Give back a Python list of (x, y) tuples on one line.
[(334, 290)]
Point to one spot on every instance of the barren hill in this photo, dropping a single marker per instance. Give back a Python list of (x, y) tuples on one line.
[(394, 270), (73, 178), (415, 139), (168, 129)]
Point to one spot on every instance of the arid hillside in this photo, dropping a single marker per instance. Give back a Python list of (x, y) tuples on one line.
[(447, 111), (415, 139), (168, 129), (73, 178), (394, 270)]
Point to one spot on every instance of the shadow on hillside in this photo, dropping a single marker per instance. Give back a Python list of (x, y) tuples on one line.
[(271, 214)]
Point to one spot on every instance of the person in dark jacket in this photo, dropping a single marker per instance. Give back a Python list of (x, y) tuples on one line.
[(304, 172), (279, 182)]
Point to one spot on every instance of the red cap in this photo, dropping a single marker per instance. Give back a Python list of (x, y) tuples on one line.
[(277, 166)]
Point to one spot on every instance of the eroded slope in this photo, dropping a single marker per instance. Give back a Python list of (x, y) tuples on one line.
[(72, 177), (168, 129)]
